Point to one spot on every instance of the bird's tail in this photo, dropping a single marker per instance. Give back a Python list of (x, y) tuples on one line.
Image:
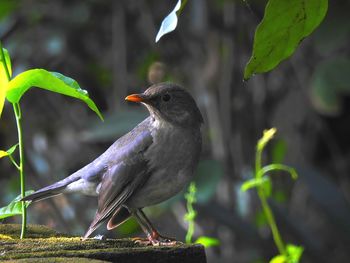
[(43, 193), (51, 190)]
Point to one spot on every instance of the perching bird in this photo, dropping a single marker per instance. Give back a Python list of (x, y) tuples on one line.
[(146, 166)]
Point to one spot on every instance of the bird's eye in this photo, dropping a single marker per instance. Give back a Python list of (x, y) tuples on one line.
[(166, 97)]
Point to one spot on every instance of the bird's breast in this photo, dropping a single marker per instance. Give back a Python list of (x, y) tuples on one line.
[(172, 158)]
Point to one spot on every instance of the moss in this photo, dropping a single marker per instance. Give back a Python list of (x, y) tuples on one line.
[(33, 231), (56, 260), (44, 243)]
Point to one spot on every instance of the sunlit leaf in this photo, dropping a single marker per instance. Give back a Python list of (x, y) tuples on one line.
[(15, 207), (169, 22), (3, 153), (254, 182), (267, 136), (4, 75), (208, 241), (294, 253), (12, 149), (51, 81), (279, 259), (285, 24), (9, 151)]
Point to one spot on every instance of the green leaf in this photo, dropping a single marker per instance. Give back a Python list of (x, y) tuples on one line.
[(330, 81), (267, 136), (279, 259), (285, 24), (294, 253), (3, 76), (3, 153), (260, 219), (255, 182), (51, 81), (15, 207), (169, 23), (279, 151), (208, 241), (12, 149), (9, 151)]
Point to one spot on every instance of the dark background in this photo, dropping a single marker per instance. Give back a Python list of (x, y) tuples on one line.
[(108, 47)]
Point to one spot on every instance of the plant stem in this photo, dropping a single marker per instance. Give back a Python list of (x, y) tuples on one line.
[(18, 114), (14, 162), (190, 230), (266, 208)]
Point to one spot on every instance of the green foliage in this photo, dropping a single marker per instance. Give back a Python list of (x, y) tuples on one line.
[(329, 83), (14, 207), (279, 151), (5, 74), (208, 241), (285, 24), (262, 182), (51, 81), (293, 255), (9, 151), (254, 182), (190, 217), (13, 90)]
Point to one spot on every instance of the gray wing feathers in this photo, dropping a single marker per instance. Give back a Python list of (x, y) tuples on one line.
[(121, 180)]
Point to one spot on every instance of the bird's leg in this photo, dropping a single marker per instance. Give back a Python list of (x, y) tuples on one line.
[(153, 237)]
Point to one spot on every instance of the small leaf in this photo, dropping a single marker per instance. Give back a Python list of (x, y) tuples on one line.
[(3, 154), (15, 207), (51, 81), (12, 149), (294, 253), (279, 259), (267, 136), (4, 77), (255, 182), (279, 151), (169, 22), (260, 219), (284, 26), (208, 241)]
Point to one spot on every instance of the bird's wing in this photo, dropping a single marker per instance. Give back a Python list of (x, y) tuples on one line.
[(122, 178)]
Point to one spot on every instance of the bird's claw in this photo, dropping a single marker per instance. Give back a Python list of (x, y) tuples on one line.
[(156, 240)]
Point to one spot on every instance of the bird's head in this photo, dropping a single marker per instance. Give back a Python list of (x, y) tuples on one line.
[(171, 103)]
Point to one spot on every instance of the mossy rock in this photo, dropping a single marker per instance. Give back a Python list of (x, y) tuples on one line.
[(45, 245)]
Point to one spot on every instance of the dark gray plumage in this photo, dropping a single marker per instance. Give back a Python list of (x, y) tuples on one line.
[(148, 165)]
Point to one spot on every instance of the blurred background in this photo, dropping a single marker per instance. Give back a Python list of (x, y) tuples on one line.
[(109, 48)]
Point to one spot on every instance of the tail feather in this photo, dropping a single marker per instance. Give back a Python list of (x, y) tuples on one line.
[(42, 194)]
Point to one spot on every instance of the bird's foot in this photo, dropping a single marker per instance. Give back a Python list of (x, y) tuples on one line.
[(156, 240)]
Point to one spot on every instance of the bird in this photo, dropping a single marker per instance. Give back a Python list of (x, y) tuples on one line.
[(148, 165)]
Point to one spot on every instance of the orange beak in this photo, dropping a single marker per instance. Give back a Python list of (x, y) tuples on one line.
[(135, 98)]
